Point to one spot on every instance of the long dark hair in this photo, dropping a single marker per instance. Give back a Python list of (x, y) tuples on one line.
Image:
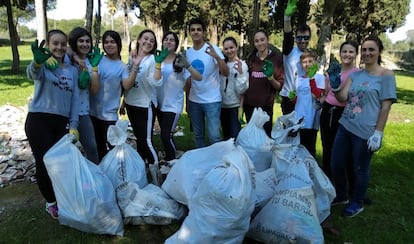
[(115, 35), (75, 34)]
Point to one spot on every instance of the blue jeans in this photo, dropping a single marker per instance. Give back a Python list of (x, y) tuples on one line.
[(201, 113), (87, 138), (348, 146)]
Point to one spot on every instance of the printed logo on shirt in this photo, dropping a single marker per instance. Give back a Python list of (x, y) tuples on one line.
[(258, 74), (198, 65), (63, 82)]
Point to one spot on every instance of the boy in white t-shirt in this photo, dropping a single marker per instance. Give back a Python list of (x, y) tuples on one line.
[(309, 92), (204, 97)]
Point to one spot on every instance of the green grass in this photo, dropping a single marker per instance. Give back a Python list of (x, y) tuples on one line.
[(387, 220)]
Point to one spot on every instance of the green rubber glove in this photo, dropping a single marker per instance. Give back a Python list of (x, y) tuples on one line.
[(95, 56), (75, 134), (240, 114), (51, 63), (292, 95), (290, 8), (84, 79), (312, 70), (40, 53), (160, 56), (267, 69)]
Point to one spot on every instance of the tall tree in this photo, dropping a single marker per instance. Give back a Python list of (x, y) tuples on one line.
[(89, 15), (14, 37), (41, 19)]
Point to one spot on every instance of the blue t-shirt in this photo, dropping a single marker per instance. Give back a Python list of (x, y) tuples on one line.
[(364, 101), (105, 103)]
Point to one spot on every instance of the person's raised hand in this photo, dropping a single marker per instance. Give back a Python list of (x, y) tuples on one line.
[(95, 56), (311, 71), (290, 8), (181, 61), (268, 69), (334, 72), (40, 53), (160, 56)]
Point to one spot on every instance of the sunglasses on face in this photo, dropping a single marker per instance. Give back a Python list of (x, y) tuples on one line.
[(299, 38)]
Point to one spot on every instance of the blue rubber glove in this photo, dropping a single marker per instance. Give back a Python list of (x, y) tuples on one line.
[(334, 72)]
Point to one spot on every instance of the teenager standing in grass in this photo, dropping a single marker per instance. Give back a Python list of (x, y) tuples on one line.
[(80, 41), (113, 76), (369, 94), (55, 104), (175, 71), (265, 78), (204, 97), (140, 97), (232, 87), (331, 107)]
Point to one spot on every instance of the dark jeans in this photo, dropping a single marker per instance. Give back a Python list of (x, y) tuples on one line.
[(87, 138), (167, 122), (44, 130), (349, 146), (248, 111), (101, 129), (230, 124), (142, 122)]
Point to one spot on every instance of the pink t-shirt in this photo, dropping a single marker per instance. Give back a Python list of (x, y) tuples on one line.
[(330, 97)]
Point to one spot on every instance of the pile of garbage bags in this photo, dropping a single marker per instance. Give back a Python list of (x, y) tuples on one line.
[(268, 189)]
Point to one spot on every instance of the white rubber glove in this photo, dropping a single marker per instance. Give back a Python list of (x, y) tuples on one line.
[(374, 142)]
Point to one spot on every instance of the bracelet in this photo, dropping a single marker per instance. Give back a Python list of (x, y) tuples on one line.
[(135, 68), (158, 65), (286, 18), (95, 69)]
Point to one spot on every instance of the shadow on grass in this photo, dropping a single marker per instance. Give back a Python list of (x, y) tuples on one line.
[(9, 80)]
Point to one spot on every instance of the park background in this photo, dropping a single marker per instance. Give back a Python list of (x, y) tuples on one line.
[(387, 220)]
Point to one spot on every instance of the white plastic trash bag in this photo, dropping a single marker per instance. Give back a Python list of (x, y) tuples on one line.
[(189, 170), (123, 163), (286, 129), (265, 186), (220, 210), (289, 217), (296, 168), (255, 141), (85, 196), (149, 205)]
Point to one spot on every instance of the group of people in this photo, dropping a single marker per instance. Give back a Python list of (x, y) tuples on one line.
[(82, 90)]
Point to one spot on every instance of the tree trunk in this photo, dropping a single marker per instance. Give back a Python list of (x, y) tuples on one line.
[(41, 19), (89, 15), (14, 39), (325, 40), (127, 36)]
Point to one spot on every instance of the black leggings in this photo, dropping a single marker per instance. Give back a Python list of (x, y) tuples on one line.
[(101, 129), (43, 130), (167, 122), (142, 122)]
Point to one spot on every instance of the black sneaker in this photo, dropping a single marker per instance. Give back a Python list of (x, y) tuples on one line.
[(337, 201)]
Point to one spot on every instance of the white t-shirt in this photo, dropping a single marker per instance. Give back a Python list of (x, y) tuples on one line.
[(292, 70), (304, 103), (171, 94), (143, 92), (208, 89)]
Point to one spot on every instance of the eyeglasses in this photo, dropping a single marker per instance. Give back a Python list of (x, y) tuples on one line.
[(299, 38)]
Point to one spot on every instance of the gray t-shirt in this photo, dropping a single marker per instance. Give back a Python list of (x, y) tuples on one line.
[(364, 102)]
